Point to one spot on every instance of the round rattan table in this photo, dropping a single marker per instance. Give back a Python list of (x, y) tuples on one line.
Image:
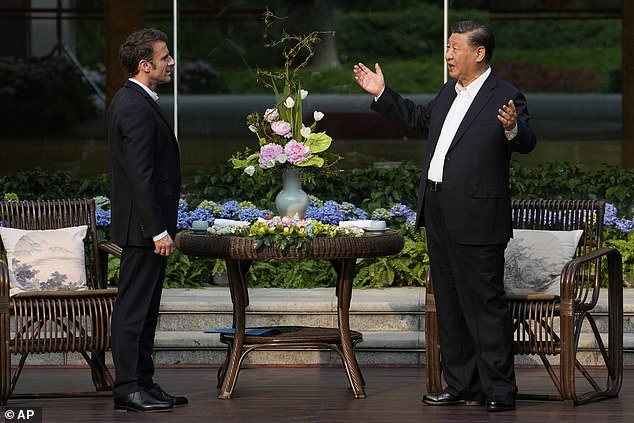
[(239, 254)]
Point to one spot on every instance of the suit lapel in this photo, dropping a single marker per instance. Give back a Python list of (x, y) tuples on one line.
[(162, 114), (481, 99), (445, 100), (156, 108)]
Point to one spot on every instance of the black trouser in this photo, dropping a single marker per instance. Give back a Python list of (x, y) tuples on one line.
[(475, 328), (134, 318)]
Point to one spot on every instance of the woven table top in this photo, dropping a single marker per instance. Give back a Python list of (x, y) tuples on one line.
[(324, 248)]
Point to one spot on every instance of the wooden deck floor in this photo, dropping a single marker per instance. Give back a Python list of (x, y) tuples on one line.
[(308, 394)]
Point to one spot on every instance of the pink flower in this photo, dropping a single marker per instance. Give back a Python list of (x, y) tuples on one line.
[(269, 154), (296, 152), (281, 128)]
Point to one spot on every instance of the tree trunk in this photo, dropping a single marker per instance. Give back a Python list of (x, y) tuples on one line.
[(326, 51)]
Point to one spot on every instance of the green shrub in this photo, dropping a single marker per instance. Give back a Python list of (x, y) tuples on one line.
[(357, 186), (625, 244), (39, 184), (407, 268), (291, 274), (367, 187), (414, 30), (563, 180), (188, 272)]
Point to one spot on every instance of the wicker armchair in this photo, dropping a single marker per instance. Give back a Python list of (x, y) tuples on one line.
[(549, 325), (56, 321)]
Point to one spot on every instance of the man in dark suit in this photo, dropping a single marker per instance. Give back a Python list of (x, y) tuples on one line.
[(473, 124), (145, 189)]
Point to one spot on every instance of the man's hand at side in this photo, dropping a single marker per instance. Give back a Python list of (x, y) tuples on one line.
[(164, 246)]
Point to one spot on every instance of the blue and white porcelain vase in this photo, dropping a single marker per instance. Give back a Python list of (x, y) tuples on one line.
[(292, 200)]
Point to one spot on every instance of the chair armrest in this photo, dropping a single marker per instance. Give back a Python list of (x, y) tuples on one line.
[(104, 249), (4, 288), (587, 295), (110, 248)]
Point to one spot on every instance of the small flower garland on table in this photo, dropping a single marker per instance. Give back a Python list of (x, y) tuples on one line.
[(285, 232)]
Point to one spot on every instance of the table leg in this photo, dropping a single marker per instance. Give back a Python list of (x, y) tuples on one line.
[(345, 269), (236, 272)]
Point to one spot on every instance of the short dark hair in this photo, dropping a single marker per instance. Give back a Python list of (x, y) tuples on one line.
[(139, 46), (479, 35)]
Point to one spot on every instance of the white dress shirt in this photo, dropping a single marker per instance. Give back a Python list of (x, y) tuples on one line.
[(454, 117), (151, 93)]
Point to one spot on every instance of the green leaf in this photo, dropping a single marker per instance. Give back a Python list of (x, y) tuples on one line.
[(238, 163), (313, 160), (318, 142)]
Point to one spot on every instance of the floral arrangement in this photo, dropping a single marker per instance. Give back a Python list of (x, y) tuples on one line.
[(284, 140), (322, 215), (265, 229)]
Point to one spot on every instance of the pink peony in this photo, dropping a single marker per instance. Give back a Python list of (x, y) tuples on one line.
[(269, 154), (296, 152), (281, 128)]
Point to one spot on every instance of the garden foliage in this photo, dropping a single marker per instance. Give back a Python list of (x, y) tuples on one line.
[(388, 194)]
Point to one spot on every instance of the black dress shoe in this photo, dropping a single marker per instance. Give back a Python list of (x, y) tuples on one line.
[(500, 405), (442, 398), (140, 401), (445, 398), (159, 394)]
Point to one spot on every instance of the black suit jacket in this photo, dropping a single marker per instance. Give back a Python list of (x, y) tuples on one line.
[(475, 181), (145, 169)]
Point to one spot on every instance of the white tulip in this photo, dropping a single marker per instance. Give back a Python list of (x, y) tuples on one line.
[(303, 94), (318, 116), (289, 103), (253, 128), (249, 170), (305, 131), (281, 158), (271, 114)]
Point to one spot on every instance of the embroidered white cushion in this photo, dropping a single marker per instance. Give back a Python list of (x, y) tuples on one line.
[(45, 260), (534, 260)]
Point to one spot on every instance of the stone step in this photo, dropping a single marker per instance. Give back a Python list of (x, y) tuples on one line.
[(392, 322), (395, 309), (377, 348), (402, 309), (194, 347)]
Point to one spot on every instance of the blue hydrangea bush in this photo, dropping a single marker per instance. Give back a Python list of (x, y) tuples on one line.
[(405, 269)]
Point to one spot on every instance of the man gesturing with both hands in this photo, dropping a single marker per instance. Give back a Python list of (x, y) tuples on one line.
[(473, 125)]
